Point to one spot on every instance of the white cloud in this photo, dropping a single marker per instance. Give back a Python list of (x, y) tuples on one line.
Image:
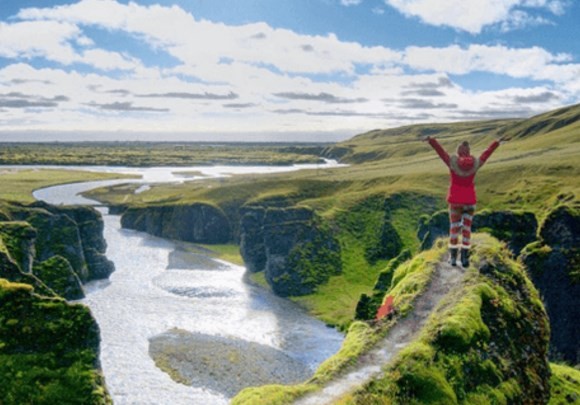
[(53, 41), (30, 39), (228, 77), (520, 19), (473, 15), (106, 60), (534, 63), (187, 39)]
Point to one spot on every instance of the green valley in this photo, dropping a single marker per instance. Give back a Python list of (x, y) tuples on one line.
[(338, 241)]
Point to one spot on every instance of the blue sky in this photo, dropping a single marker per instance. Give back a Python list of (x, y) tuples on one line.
[(315, 70)]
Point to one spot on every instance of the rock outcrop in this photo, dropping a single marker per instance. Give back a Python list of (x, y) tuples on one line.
[(35, 234), (291, 245), (197, 223), (554, 266)]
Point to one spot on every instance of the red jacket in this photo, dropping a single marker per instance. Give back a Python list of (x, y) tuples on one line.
[(462, 169)]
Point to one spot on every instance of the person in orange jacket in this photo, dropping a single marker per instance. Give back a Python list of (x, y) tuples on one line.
[(461, 196)]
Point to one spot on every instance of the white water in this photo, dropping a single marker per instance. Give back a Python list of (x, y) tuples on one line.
[(158, 286)]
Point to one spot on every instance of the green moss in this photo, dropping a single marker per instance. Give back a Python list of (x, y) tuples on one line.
[(411, 278), (48, 350), (271, 394), (18, 238), (58, 275), (463, 324), (359, 338), (565, 385)]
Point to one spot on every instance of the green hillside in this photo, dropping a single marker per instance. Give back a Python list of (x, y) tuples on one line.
[(394, 177)]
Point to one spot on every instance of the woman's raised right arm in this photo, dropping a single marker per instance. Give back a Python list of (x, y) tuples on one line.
[(439, 149)]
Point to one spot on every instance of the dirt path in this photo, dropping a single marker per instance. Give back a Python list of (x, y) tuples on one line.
[(369, 366)]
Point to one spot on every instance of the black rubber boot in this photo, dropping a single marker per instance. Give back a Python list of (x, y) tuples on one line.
[(453, 256), (465, 257)]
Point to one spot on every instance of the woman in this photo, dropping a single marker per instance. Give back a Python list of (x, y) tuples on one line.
[(461, 196)]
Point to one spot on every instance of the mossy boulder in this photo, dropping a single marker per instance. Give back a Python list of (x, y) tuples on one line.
[(515, 228), (292, 246), (48, 350), (197, 223), (554, 266)]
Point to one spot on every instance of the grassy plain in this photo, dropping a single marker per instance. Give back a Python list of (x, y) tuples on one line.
[(143, 154), (18, 185)]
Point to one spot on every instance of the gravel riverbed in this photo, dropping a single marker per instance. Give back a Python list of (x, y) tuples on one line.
[(223, 364)]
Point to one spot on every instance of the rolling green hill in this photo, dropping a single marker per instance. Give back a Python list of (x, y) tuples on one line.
[(394, 178)]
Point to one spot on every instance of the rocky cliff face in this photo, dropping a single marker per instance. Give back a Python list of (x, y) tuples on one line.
[(291, 246), (197, 223), (554, 266), (61, 246)]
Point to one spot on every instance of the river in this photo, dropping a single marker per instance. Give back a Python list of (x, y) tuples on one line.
[(162, 287)]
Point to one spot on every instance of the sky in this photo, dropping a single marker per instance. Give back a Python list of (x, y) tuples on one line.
[(277, 70)]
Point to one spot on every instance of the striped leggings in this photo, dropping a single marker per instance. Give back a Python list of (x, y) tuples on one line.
[(460, 220)]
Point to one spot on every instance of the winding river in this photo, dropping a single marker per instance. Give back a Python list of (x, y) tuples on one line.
[(161, 286)]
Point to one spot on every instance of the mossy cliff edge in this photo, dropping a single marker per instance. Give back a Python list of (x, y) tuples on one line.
[(62, 246), (48, 348), (486, 342)]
